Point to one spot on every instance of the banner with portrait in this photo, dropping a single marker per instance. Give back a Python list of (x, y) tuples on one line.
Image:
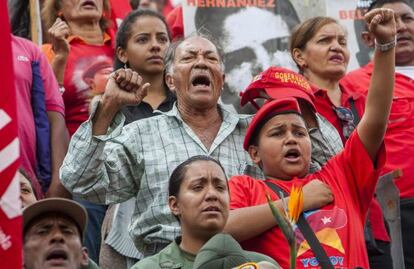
[(254, 34)]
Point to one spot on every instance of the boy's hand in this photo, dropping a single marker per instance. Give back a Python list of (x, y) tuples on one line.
[(381, 23), (316, 194)]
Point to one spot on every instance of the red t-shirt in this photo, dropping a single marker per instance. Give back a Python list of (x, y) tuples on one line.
[(325, 107), (339, 226), (24, 53), (176, 23), (399, 137), (119, 10), (88, 67)]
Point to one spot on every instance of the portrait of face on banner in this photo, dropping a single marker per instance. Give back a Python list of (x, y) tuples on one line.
[(254, 34), (252, 39)]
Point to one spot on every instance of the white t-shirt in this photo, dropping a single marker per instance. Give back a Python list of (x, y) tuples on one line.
[(405, 70)]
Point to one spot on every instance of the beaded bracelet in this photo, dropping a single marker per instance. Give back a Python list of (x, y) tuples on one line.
[(386, 46)]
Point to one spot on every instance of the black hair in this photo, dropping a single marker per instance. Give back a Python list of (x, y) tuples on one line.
[(19, 13), (124, 30), (381, 3), (178, 175)]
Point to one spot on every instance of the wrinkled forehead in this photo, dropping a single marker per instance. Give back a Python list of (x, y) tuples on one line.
[(332, 29), (199, 45), (202, 168)]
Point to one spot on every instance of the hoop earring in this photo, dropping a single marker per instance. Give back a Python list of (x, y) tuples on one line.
[(126, 65)]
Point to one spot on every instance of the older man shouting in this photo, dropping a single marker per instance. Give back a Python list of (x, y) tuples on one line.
[(109, 163)]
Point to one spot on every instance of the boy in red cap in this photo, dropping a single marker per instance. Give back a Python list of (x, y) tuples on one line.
[(274, 83), (278, 141)]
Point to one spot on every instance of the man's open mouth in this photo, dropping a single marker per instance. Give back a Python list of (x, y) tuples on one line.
[(57, 255), (201, 80)]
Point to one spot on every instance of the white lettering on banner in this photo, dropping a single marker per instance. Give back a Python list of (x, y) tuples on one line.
[(10, 203), (5, 240), (312, 262), (4, 118), (9, 154)]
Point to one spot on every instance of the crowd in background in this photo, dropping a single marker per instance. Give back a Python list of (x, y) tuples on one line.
[(129, 160)]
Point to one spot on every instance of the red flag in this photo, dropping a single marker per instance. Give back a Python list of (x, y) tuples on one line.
[(10, 213), (119, 10)]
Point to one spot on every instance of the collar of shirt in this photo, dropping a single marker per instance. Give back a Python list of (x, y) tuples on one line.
[(174, 257), (74, 38), (228, 116), (346, 94), (230, 122)]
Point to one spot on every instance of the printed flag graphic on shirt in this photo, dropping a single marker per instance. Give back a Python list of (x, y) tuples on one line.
[(10, 212)]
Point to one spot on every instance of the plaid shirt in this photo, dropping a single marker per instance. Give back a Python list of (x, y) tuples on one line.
[(326, 143), (137, 160)]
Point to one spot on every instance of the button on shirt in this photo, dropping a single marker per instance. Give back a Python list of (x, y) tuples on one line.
[(137, 160)]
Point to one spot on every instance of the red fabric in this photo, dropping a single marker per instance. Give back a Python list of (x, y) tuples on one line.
[(10, 228), (119, 10), (77, 93), (275, 107), (325, 107), (168, 7), (278, 82), (339, 225), (176, 23), (399, 137)]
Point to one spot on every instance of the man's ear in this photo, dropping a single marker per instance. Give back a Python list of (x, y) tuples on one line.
[(368, 39), (169, 80), (174, 206), (254, 154), (121, 54), (84, 258)]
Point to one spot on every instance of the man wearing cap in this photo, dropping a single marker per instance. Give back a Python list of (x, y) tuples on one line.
[(277, 140), (52, 235)]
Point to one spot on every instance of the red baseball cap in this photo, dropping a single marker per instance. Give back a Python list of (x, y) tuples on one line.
[(274, 107), (278, 82)]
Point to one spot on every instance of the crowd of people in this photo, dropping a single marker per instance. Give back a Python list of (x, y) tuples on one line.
[(130, 160)]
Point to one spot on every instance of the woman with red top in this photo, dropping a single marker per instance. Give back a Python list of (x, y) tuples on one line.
[(81, 52), (319, 48), (80, 41)]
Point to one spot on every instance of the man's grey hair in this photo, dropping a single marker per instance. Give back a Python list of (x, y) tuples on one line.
[(170, 55)]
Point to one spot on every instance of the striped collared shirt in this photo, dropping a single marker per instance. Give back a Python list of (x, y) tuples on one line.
[(137, 160)]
